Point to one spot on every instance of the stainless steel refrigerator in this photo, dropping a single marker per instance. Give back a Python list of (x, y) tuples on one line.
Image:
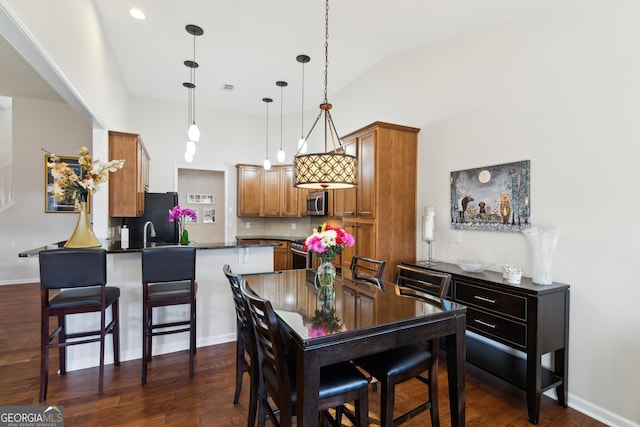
[(156, 210)]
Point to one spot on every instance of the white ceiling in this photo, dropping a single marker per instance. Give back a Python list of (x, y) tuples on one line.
[(251, 44)]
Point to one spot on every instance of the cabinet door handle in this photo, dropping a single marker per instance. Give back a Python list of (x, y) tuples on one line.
[(492, 301), (485, 323)]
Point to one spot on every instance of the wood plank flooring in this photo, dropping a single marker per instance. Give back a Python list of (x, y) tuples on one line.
[(172, 398)]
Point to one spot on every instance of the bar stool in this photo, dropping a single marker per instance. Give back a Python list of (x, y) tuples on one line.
[(168, 278), (368, 270), (81, 275)]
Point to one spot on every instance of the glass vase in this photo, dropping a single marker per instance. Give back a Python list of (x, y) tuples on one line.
[(325, 279), (184, 237), (542, 244), (83, 236)]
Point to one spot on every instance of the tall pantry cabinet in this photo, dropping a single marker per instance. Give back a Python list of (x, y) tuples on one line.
[(383, 220)]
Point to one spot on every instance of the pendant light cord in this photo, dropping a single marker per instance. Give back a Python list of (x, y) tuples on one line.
[(326, 49)]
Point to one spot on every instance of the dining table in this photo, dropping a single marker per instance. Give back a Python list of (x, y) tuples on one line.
[(316, 333)]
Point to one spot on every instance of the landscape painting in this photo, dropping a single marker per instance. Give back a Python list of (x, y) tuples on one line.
[(492, 198)]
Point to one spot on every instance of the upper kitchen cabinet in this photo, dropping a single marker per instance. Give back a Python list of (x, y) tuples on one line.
[(127, 187), (269, 193), (381, 210)]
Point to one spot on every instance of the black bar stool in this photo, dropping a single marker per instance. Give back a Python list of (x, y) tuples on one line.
[(81, 275), (168, 278)]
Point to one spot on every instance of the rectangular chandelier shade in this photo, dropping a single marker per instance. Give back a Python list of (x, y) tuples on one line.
[(325, 171)]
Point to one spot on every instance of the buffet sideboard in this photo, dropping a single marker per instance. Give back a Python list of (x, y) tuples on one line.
[(530, 318)]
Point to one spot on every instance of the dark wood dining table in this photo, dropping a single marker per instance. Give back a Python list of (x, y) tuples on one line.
[(316, 335)]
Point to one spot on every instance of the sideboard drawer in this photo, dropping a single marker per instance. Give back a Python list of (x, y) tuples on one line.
[(500, 302), (505, 331)]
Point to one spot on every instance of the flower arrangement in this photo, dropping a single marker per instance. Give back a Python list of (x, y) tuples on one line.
[(69, 185), (180, 214), (328, 242)]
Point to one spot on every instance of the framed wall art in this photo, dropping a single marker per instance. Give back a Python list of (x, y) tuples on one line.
[(208, 216), (58, 204), (491, 198)]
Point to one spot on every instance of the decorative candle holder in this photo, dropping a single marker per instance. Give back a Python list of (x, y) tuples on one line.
[(429, 231)]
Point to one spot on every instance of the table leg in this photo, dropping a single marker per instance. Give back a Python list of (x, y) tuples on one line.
[(456, 369), (307, 387)]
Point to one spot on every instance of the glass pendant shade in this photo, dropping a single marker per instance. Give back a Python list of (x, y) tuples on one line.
[(267, 164), (191, 147), (194, 132), (188, 157), (280, 155)]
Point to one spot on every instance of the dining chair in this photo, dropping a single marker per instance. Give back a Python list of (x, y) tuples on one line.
[(245, 355), (168, 278), (396, 366), (339, 383), (368, 270), (81, 277)]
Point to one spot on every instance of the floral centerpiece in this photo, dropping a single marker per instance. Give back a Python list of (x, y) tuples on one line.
[(76, 185), (327, 243), (180, 215)]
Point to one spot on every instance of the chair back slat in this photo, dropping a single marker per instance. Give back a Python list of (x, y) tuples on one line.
[(168, 264), (72, 268), (235, 282), (367, 270)]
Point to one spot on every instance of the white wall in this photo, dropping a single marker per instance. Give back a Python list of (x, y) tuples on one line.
[(5, 130), (57, 128), (561, 90)]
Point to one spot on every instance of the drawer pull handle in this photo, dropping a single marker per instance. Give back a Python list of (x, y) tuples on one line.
[(485, 323), (492, 301)]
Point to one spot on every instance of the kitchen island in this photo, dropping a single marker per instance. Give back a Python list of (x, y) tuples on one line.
[(215, 312)]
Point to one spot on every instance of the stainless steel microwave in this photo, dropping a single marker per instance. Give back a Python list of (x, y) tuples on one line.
[(317, 203)]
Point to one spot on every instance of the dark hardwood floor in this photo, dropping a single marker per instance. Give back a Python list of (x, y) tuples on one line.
[(171, 397)]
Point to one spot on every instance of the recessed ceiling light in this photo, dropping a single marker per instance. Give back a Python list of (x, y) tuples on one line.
[(137, 13), (228, 87)]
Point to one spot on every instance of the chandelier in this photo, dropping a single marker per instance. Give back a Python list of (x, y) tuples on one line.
[(329, 169)]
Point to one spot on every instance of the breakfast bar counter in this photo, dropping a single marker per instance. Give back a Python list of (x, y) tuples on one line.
[(215, 311)]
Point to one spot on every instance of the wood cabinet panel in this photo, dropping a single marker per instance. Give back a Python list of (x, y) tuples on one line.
[(271, 192), (366, 191), (282, 256), (289, 194), (249, 190), (127, 187)]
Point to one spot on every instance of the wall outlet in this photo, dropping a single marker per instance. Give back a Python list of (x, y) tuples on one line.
[(247, 225), (293, 225)]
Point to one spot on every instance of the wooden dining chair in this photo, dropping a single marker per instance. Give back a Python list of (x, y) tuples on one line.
[(81, 275), (368, 270), (245, 350), (339, 383), (168, 278), (396, 366)]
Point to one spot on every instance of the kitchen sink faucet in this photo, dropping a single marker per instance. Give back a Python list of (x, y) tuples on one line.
[(144, 233)]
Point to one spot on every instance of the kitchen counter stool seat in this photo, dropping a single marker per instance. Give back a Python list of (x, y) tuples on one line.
[(168, 278), (81, 275)]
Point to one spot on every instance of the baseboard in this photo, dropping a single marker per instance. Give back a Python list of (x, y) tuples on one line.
[(599, 413)]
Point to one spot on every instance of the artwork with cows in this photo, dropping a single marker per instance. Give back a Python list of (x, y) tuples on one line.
[(492, 198)]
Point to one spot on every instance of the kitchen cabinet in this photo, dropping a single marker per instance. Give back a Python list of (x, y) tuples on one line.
[(381, 211), (127, 187), (533, 319), (269, 193)]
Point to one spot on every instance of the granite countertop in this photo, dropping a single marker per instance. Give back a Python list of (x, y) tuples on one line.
[(115, 247), (272, 237)]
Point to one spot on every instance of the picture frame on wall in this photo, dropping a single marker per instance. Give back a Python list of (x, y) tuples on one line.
[(198, 198), (208, 216), (492, 198), (58, 204)]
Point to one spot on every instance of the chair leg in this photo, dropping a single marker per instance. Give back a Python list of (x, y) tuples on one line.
[(44, 357), (239, 366), (103, 326), (433, 394), (253, 394), (192, 340), (387, 396), (362, 408), (115, 332), (145, 343), (62, 339), (149, 332)]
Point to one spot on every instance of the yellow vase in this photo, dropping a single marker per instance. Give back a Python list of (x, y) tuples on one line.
[(83, 236)]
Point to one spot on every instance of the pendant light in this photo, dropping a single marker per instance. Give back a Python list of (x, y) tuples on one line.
[(280, 154), (302, 146), (267, 163), (193, 131), (329, 169)]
